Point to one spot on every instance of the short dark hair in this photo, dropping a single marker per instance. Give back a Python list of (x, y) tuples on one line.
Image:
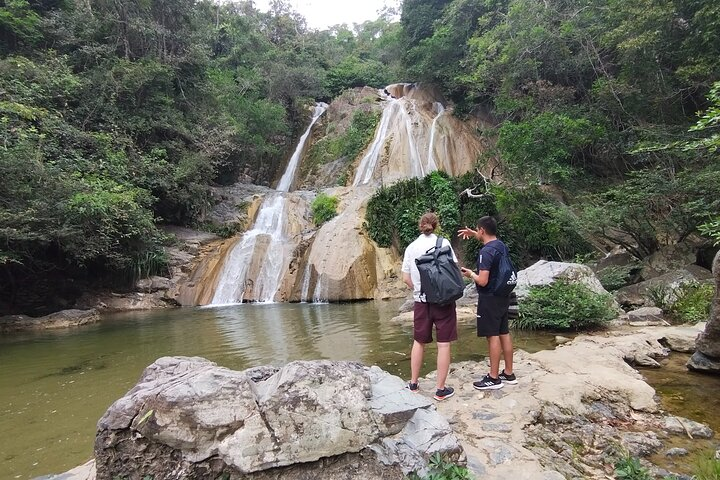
[(489, 224)]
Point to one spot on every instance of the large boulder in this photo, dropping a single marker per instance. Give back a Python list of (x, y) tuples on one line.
[(638, 295), (342, 261), (707, 356), (189, 418), (545, 273)]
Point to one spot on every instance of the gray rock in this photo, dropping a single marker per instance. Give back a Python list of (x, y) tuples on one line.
[(641, 444), (685, 426), (197, 420), (683, 340), (545, 273), (637, 295), (470, 296), (702, 363), (618, 257), (61, 319), (153, 284), (676, 452), (497, 427), (484, 415), (708, 342), (407, 306), (560, 340), (669, 258), (646, 316)]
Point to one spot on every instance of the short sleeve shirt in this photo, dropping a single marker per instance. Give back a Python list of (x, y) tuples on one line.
[(488, 259), (416, 249)]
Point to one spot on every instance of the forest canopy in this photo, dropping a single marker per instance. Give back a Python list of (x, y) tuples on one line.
[(117, 117)]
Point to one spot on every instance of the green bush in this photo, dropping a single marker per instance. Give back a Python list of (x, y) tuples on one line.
[(324, 207), (442, 469), (563, 306), (629, 468), (347, 145), (692, 302), (531, 223), (616, 277)]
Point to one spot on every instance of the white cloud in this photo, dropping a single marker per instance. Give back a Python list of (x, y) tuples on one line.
[(321, 14)]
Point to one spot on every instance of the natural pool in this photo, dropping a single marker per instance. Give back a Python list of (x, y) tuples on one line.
[(54, 386)]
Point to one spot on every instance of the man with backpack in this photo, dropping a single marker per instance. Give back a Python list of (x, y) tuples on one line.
[(495, 279), (430, 270)]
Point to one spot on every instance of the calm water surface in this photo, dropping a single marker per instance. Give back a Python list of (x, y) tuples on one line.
[(54, 386)]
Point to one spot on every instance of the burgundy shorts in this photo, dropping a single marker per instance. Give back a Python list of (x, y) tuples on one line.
[(442, 316)]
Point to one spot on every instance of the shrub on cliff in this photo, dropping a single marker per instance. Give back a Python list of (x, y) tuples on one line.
[(324, 207), (564, 306)]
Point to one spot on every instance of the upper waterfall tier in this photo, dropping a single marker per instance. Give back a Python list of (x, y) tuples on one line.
[(287, 179)]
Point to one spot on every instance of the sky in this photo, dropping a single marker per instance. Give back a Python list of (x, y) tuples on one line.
[(321, 14)]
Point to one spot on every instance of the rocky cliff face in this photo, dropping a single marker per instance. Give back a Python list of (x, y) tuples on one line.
[(189, 418), (338, 262), (707, 356)]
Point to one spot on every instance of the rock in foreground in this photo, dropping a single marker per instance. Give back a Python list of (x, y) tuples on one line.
[(189, 418)]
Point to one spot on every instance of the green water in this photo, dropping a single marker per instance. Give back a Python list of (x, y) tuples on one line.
[(54, 386), (692, 395)]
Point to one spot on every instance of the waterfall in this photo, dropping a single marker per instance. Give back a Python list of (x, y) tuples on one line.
[(289, 175), (320, 296), (270, 225), (367, 164), (234, 277), (305, 284), (431, 165), (416, 166)]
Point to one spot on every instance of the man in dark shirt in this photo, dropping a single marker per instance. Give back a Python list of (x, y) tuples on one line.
[(492, 310)]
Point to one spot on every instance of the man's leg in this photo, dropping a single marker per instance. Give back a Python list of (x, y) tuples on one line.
[(416, 359), (495, 353), (507, 349), (443, 363)]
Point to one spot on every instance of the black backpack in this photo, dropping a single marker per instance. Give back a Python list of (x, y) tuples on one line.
[(440, 279), (506, 277)]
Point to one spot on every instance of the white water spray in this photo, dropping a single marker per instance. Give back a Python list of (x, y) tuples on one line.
[(431, 164), (289, 175), (367, 164), (270, 223)]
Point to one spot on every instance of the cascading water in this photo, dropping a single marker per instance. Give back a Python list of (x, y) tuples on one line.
[(305, 284), (270, 224), (289, 175), (416, 166), (367, 164), (431, 164)]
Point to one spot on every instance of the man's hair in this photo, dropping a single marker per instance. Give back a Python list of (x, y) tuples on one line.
[(428, 223), (489, 224)]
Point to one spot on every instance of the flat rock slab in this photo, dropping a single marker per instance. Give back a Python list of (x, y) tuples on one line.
[(57, 320), (563, 414)]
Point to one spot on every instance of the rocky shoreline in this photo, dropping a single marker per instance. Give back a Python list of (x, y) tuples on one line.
[(573, 412)]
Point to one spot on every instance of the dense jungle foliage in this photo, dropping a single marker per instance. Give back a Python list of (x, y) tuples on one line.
[(117, 117), (597, 105)]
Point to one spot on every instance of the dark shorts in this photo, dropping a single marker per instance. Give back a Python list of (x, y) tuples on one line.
[(443, 317), (492, 316)]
